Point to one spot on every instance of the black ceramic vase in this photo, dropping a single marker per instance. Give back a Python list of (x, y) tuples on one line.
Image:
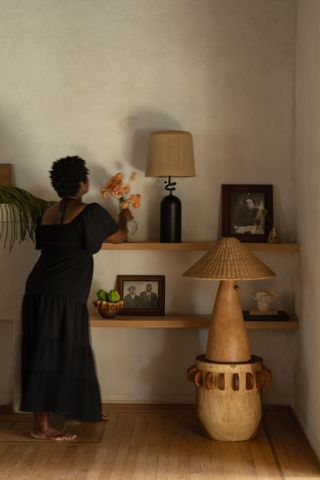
[(170, 219)]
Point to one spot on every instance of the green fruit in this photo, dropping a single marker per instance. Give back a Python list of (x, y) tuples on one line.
[(102, 295), (113, 296)]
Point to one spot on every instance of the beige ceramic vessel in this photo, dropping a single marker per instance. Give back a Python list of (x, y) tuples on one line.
[(229, 400)]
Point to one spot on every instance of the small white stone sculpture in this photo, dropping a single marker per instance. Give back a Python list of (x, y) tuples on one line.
[(264, 300)]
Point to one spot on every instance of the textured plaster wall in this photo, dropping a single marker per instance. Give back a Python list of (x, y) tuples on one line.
[(93, 78), (307, 166)]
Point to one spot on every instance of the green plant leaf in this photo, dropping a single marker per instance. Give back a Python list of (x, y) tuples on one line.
[(20, 212)]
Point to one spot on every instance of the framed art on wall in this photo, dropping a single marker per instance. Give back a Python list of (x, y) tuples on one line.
[(142, 294), (5, 174), (247, 212)]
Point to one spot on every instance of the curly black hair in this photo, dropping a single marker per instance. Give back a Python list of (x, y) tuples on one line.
[(66, 175)]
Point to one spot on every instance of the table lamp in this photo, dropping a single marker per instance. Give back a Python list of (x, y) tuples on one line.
[(227, 377), (170, 154)]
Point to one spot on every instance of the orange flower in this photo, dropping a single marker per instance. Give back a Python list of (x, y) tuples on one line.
[(125, 188), (135, 200), (109, 184), (116, 192), (115, 188), (118, 177)]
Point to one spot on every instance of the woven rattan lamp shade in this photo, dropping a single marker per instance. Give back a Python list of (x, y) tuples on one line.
[(229, 260), (170, 154)]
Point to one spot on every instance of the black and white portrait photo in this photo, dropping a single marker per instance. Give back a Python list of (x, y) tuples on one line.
[(247, 212), (142, 294)]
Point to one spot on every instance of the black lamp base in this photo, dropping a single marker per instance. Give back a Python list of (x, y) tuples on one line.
[(170, 219)]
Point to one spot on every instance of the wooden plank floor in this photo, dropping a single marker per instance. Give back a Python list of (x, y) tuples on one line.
[(141, 442)]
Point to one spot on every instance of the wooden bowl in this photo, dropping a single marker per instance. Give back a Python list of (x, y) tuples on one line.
[(108, 309)]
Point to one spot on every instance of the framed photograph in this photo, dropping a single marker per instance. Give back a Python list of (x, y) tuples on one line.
[(142, 294), (5, 174), (247, 212)]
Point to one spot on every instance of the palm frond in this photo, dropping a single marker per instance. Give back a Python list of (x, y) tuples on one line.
[(20, 212)]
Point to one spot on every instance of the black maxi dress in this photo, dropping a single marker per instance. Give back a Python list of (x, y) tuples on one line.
[(58, 370)]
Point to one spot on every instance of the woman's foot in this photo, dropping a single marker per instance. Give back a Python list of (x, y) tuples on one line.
[(53, 434)]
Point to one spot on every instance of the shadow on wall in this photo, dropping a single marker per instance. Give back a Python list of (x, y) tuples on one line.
[(179, 349), (137, 127), (18, 149), (133, 131)]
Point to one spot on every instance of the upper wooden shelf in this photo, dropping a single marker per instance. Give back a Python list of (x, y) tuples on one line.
[(185, 246), (182, 321)]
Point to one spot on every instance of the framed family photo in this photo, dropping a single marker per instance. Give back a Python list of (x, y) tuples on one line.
[(247, 212), (142, 294)]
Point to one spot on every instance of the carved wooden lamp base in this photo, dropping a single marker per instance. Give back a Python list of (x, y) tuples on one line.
[(229, 403)]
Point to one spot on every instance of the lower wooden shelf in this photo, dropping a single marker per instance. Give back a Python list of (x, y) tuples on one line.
[(182, 321)]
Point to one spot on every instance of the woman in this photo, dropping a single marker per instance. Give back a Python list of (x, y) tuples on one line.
[(58, 371)]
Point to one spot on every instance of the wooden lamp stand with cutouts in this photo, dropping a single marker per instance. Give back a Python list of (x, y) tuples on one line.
[(227, 377)]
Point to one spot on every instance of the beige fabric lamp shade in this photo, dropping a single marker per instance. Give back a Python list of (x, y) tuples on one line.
[(170, 154), (229, 261)]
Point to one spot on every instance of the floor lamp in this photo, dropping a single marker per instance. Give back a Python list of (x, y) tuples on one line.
[(228, 378), (170, 154)]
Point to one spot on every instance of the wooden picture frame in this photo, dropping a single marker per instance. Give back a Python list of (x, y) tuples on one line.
[(247, 212), (5, 174), (142, 294)]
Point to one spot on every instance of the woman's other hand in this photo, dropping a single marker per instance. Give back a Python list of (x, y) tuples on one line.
[(124, 216)]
